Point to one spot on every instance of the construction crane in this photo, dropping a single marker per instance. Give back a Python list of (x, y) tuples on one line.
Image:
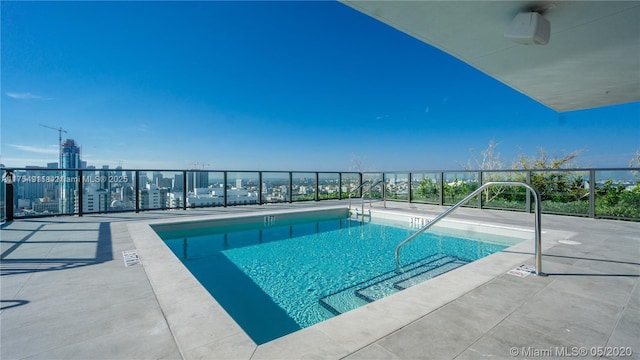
[(195, 165), (60, 131)]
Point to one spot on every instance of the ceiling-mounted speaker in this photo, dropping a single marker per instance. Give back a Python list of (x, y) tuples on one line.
[(529, 28)]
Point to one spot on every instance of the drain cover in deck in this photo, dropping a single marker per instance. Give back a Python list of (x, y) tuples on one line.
[(522, 271), (130, 257)]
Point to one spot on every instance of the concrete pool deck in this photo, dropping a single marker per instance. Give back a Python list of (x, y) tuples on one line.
[(66, 294)]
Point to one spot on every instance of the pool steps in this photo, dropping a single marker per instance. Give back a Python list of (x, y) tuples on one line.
[(388, 283)]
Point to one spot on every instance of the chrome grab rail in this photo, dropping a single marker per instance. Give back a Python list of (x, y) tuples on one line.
[(356, 189), (368, 191), (537, 226)]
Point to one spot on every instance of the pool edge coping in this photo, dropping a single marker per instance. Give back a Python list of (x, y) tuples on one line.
[(201, 326)]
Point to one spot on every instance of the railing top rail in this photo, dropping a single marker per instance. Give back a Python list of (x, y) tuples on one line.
[(10, 168), (500, 170)]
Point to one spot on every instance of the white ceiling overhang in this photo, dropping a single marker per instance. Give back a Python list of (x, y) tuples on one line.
[(592, 58)]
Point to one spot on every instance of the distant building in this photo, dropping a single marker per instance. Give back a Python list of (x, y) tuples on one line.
[(126, 197), (165, 183), (241, 197), (95, 200), (178, 182), (70, 158), (45, 205), (142, 179), (215, 196), (175, 199), (104, 174), (153, 197), (197, 179)]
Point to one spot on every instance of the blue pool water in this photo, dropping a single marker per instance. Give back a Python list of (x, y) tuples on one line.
[(276, 278)]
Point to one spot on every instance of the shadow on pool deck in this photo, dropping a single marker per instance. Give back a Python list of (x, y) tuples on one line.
[(21, 257)]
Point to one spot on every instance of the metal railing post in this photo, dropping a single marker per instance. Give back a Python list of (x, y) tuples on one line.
[(441, 191), (480, 184), (9, 202), (290, 187), (80, 191), (409, 188), (137, 190), (225, 178), (260, 188), (184, 190), (592, 194), (317, 185)]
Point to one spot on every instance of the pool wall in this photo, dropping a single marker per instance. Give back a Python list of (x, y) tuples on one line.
[(508, 235), (270, 218)]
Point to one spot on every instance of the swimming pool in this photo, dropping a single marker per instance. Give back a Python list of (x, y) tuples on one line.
[(276, 276)]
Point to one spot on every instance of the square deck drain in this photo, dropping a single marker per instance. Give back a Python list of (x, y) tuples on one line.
[(522, 271), (130, 257)]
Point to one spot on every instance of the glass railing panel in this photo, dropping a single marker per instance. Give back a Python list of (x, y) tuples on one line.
[(107, 190), (45, 191), (204, 189), (504, 197), (397, 186), (350, 181), (457, 185), (303, 186), (243, 187), (42, 192), (158, 190), (275, 187), (563, 191), (425, 188), (373, 178), (617, 194), (328, 186)]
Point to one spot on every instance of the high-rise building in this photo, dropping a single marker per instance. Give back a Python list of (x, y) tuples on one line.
[(157, 178), (104, 176), (197, 179), (178, 182), (70, 159)]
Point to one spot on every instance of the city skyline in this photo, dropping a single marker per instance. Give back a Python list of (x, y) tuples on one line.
[(266, 86)]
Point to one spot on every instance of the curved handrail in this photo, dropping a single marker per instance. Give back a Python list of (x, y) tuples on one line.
[(369, 191), (537, 226), (356, 189)]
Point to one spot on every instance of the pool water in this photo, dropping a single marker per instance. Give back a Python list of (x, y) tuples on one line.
[(277, 278)]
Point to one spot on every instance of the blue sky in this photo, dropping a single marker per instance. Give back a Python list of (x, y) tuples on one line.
[(266, 86)]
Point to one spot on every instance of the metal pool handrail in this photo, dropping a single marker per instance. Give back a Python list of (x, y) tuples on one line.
[(356, 189), (537, 226), (369, 191)]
